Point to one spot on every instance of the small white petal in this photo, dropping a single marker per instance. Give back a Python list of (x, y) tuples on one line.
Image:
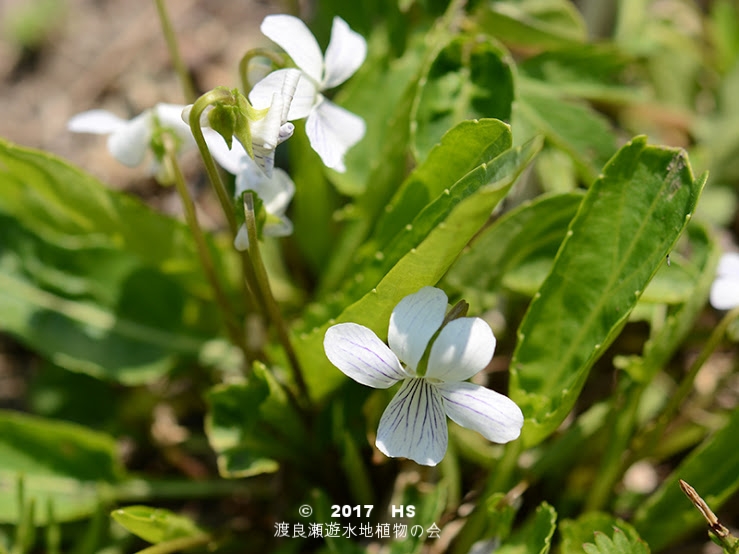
[(129, 143), (725, 293), (414, 425), (170, 117), (281, 228), (276, 192), (241, 241), (359, 354), (346, 51), (728, 265), (725, 289), (493, 415), (295, 38), (414, 321), (332, 131), (463, 348), (303, 98), (230, 160), (99, 122)]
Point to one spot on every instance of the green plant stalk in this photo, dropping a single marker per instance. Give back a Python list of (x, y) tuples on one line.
[(175, 545), (53, 537), (645, 442), (235, 331), (623, 416), (277, 61), (211, 97), (499, 481), (273, 310), (188, 89)]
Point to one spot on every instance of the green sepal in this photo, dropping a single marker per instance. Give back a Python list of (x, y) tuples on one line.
[(231, 119)]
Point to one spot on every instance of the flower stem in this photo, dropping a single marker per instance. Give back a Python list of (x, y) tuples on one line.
[(645, 442), (187, 87), (235, 331), (277, 61), (273, 309), (198, 107)]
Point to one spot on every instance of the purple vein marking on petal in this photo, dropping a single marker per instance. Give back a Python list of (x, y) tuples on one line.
[(467, 406), (390, 373)]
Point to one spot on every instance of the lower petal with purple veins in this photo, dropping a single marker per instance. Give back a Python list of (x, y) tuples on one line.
[(414, 424)]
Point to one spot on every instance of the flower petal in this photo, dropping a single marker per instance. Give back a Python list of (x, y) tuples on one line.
[(414, 425), (129, 143), (463, 348), (346, 51), (493, 415), (230, 160), (413, 322), (295, 38), (275, 192), (170, 117), (332, 131), (241, 241), (99, 122), (303, 98), (359, 354), (725, 293)]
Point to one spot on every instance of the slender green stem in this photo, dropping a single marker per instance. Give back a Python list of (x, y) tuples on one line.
[(500, 480), (266, 293), (187, 87), (236, 331), (176, 545), (623, 416), (215, 95), (646, 441), (278, 60)]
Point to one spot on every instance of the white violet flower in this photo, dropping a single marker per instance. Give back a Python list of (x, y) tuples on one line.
[(129, 141), (275, 193), (414, 423), (725, 289), (266, 133), (332, 130)]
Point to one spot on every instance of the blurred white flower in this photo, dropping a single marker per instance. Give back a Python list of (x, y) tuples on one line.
[(414, 423), (130, 140), (725, 289), (332, 130), (275, 193)]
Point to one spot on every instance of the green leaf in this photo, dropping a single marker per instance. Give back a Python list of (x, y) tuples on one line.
[(95, 310), (518, 249), (252, 425), (620, 544), (625, 227), (469, 78), (60, 463), (594, 72), (571, 126), (155, 525), (710, 469), (93, 279), (532, 23), (535, 536), (419, 256), (598, 527)]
